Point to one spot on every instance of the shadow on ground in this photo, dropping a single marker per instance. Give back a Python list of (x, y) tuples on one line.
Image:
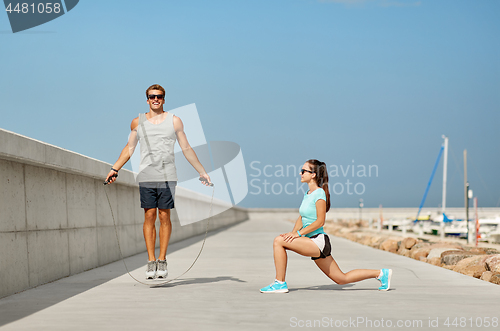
[(14, 307)]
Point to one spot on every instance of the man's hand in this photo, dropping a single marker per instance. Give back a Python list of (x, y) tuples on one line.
[(205, 179), (111, 177)]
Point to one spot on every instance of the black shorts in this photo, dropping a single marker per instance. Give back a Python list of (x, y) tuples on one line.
[(323, 242), (157, 194)]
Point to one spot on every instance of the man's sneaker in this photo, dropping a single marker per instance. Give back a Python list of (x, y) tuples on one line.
[(385, 280), (151, 270), (275, 288), (162, 271)]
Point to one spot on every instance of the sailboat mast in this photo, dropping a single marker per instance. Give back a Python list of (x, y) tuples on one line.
[(445, 172)]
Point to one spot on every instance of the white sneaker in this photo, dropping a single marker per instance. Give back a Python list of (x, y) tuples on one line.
[(162, 271), (151, 270)]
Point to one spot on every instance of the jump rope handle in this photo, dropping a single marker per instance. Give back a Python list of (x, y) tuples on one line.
[(206, 181), (107, 181)]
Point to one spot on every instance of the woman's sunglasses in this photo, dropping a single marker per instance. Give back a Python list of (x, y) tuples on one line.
[(304, 170)]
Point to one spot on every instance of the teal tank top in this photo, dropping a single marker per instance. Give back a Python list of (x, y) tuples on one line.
[(307, 209)]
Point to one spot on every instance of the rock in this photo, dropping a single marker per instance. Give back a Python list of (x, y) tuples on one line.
[(451, 257), (436, 252), (389, 245), (423, 259), (425, 250), (376, 243), (475, 250), (406, 245), (495, 279), (449, 267), (403, 251), (493, 263), (434, 261), (409, 242), (415, 249), (472, 266), (366, 240), (407, 253), (491, 251), (486, 276), (419, 252)]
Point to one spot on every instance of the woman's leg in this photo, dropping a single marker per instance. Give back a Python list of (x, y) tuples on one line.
[(303, 246), (332, 270)]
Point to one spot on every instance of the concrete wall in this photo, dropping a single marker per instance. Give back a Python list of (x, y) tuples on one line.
[(55, 219)]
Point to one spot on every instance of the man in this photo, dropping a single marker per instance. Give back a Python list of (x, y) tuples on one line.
[(157, 132)]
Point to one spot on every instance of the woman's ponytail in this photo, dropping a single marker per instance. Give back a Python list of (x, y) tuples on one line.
[(319, 169)]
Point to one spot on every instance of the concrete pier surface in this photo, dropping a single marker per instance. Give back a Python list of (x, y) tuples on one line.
[(221, 292)]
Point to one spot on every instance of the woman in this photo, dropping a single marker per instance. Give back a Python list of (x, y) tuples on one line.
[(308, 238)]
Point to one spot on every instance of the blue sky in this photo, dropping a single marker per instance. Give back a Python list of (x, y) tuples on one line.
[(364, 83)]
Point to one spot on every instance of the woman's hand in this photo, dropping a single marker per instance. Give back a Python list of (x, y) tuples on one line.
[(290, 236)]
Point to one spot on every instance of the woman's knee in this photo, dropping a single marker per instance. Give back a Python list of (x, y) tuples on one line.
[(278, 241), (341, 280)]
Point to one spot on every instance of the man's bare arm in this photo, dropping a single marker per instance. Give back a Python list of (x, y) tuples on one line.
[(126, 153), (188, 151)]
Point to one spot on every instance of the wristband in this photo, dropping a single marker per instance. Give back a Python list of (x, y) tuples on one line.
[(298, 231), (114, 170)]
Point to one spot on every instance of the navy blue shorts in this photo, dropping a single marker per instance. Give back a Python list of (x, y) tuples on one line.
[(157, 194)]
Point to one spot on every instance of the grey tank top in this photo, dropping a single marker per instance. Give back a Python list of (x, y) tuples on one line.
[(157, 150)]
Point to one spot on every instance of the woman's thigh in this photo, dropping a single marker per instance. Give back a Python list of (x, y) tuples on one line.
[(302, 245)]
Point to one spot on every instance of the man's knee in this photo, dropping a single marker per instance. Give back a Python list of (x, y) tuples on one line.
[(164, 216), (150, 215)]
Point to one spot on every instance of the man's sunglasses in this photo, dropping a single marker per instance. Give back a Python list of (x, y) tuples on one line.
[(304, 170), (153, 96)]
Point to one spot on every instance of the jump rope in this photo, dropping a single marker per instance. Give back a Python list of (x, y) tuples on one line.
[(120, 250)]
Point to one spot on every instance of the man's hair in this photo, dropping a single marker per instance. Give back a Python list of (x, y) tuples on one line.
[(155, 87)]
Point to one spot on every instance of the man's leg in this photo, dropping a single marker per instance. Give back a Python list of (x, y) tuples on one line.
[(165, 232), (150, 231)]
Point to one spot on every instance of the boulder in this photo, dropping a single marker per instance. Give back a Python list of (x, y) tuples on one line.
[(493, 263), (472, 266), (417, 249), (495, 279), (491, 251), (452, 257), (375, 239), (406, 245), (365, 240), (377, 243), (409, 242), (389, 245), (425, 250), (475, 250), (434, 261), (486, 276), (436, 252)]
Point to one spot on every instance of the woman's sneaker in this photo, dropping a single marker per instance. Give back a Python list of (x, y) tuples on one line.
[(162, 271), (151, 270), (275, 287), (385, 280)]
